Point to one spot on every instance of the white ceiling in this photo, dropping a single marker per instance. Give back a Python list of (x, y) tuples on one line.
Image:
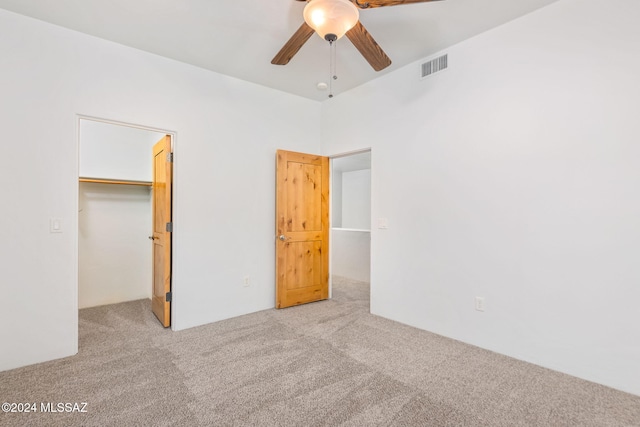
[(240, 37)]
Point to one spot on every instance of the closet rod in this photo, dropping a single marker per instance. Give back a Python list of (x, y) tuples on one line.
[(115, 181)]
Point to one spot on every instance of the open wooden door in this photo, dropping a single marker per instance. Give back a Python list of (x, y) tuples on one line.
[(162, 228), (302, 228)]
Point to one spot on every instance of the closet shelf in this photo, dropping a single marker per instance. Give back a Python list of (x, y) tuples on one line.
[(115, 181)]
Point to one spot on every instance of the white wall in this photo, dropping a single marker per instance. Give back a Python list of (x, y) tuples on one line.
[(513, 175), (336, 198), (116, 152), (351, 199), (350, 254), (356, 199), (227, 133), (114, 252)]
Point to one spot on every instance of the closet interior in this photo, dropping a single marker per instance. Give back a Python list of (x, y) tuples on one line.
[(114, 218)]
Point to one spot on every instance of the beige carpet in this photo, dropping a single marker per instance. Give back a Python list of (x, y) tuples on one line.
[(323, 364)]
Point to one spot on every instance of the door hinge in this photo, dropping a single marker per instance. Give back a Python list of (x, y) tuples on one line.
[(170, 227), (170, 157), (168, 296)]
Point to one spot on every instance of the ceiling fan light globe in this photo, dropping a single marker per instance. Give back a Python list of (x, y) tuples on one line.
[(331, 16), (318, 17)]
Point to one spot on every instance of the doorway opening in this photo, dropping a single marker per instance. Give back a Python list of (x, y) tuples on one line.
[(351, 221), (115, 212)]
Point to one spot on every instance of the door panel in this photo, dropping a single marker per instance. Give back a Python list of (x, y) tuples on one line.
[(162, 193), (302, 227), (304, 196)]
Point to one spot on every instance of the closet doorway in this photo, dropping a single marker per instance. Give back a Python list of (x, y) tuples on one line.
[(115, 219), (351, 218)]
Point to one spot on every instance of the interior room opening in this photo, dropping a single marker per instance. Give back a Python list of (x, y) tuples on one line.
[(351, 219)]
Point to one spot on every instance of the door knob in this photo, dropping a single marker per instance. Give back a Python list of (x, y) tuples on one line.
[(152, 238), (282, 237)]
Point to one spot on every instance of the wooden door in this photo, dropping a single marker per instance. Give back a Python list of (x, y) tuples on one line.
[(162, 227), (302, 228)]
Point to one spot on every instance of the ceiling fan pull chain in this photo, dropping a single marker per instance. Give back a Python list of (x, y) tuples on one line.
[(334, 76), (332, 67)]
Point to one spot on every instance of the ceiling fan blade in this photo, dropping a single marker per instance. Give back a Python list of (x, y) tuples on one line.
[(368, 47), (294, 44), (366, 4)]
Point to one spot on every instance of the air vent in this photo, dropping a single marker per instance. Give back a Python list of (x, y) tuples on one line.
[(438, 64)]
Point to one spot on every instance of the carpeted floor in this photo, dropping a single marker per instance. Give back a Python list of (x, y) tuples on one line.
[(324, 364)]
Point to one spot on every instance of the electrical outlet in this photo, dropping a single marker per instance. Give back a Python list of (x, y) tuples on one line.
[(246, 281), (480, 303)]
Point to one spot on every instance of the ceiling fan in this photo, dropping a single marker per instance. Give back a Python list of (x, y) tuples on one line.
[(332, 19)]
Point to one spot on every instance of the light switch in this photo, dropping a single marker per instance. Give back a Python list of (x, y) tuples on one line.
[(383, 223), (55, 225)]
